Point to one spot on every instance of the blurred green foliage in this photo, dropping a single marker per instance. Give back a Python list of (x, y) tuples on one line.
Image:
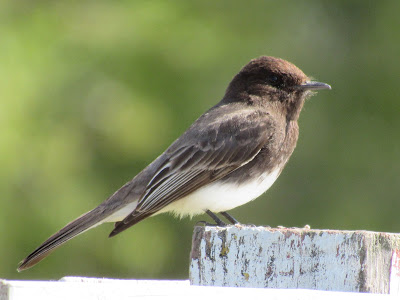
[(92, 91)]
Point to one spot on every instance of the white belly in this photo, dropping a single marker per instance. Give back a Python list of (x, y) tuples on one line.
[(216, 197), (219, 197)]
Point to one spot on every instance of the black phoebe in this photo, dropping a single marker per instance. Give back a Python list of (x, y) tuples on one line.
[(231, 155)]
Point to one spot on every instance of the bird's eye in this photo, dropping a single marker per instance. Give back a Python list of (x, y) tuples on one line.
[(273, 79)]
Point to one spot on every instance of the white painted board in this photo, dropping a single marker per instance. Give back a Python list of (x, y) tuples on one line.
[(331, 260), (78, 288)]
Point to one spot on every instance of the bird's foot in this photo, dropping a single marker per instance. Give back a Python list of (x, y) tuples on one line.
[(217, 220), (230, 218)]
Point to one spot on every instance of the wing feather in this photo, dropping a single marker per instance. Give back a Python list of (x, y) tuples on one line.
[(203, 154)]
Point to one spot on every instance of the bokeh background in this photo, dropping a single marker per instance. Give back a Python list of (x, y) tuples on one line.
[(92, 91)]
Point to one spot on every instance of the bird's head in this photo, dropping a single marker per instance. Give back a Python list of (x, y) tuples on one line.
[(270, 79)]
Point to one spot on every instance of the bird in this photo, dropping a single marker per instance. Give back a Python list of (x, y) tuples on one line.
[(229, 156)]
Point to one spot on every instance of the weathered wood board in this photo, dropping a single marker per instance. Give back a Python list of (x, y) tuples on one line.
[(331, 260), (78, 288)]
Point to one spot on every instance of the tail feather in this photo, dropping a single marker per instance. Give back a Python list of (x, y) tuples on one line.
[(76, 227), (115, 208), (123, 225)]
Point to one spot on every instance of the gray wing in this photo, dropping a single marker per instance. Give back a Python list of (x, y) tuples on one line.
[(208, 151)]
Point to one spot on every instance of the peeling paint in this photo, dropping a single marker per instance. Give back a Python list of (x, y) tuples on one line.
[(357, 261)]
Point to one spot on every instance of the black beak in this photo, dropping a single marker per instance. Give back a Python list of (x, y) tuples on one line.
[(314, 85)]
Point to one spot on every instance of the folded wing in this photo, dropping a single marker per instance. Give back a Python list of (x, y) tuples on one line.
[(205, 153)]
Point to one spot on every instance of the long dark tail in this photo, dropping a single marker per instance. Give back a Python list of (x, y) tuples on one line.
[(83, 223), (87, 221)]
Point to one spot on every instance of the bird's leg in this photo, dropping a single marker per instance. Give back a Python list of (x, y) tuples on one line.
[(217, 220), (229, 218)]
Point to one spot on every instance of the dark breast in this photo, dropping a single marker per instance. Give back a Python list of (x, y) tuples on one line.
[(274, 155)]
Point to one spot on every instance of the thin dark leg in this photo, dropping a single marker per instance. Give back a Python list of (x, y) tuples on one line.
[(230, 218), (217, 220)]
